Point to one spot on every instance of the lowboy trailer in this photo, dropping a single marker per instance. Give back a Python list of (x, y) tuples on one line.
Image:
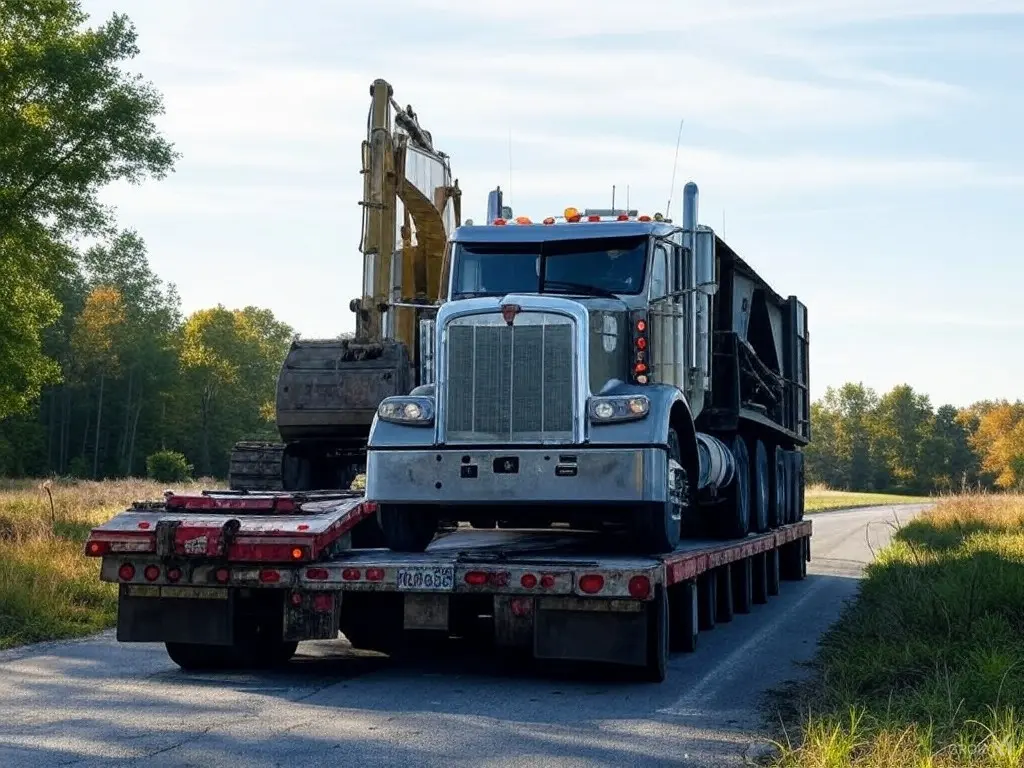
[(235, 580)]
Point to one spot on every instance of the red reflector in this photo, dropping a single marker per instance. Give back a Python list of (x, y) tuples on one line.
[(374, 574), (222, 575), (521, 606), (173, 574), (641, 343), (270, 577), (320, 574), (323, 603), (529, 581), (592, 583), (476, 578), (350, 574), (593, 218), (622, 217), (641, 325), (547, 581), (126, 572), (152, 572), (303, 527), (296, 598), (639, 587), (143, 525), (96, 548)]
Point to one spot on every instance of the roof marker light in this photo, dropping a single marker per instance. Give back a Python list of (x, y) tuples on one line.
[(499, 222), (549, 220), (523, 220), (571, 214), (593, 218), (643, 218), (622, 217)]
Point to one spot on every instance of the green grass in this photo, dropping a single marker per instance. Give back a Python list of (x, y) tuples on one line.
[(48, 588), (818, 498), (926, 667)]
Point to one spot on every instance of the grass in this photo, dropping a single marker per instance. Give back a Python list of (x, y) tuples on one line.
[(926, 667), (48, 588), (819, 498)]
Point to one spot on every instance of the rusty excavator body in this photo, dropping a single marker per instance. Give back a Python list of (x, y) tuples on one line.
[(328, 390)]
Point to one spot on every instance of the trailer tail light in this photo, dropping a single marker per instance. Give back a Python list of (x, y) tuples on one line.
[(222, 575), (269, 576), (173, 575), (640, 346), (152, 572), (317, 574), (298, 553), (521, 606), (592, 583), (528, 580), (375, 574), (475, 578), (96, 548), (547, 581), (350, 574), (126, 572), (639, 587)]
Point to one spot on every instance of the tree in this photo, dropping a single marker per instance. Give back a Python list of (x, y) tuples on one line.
[(97, 337), (72, 122), (230, 360), (999, 440), (900, 424)]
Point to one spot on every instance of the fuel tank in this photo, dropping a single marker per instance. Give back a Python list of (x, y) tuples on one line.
[(329, 389)]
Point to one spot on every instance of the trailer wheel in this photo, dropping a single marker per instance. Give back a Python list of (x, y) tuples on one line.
[(656, 668), (195, 657), (407, 528), (735, 520), (780, 490), (760, 480), (658, 526)]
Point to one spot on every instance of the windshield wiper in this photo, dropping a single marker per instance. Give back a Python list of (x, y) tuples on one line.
[(589, 290)]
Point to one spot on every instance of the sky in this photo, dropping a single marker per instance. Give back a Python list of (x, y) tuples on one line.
[(863, 155)]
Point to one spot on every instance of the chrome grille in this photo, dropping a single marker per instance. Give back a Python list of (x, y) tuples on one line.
[(510, 382)]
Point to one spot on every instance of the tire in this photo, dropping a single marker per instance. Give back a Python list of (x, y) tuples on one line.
[(779, 490), (760, 481), (407, 528), (659, 526), (735, 520), (195, 657)]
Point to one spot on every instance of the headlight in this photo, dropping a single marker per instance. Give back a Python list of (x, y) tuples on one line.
[(415, 411), (604, 410)]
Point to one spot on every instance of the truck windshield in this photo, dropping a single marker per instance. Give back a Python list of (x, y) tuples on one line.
[(606, 265)]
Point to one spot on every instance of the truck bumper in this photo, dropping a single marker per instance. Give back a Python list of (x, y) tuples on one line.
[(510, 476)]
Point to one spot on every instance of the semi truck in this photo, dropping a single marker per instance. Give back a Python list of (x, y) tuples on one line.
[(557, 451), (598, 370)]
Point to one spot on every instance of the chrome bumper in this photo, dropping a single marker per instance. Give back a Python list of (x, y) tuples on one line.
[(549, 475)]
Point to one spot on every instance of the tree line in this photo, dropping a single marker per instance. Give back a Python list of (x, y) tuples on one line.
[(898, 442), (98, 367)]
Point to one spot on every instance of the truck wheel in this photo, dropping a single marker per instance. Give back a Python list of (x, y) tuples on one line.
[(777, 508), (760, 481), (407, 528), (656, 668), (195, 657), (735, 522), (659, 525)]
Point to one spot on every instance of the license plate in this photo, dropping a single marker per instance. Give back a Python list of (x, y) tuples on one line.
[(427, 578)]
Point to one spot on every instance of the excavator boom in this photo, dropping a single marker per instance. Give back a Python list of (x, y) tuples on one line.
[(329, 389)]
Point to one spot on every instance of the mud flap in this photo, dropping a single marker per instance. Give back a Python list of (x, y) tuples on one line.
[(151, 614), (604, 631)]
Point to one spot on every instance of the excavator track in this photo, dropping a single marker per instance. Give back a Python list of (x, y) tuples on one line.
[(255, 465)]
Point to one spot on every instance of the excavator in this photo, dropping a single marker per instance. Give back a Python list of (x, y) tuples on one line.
[(328, 390)]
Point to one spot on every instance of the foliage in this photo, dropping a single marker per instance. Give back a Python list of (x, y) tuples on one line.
[(926, 666), (899, 443), (168, 467), (72, 122)]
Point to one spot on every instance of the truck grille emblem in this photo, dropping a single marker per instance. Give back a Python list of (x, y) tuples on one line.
[(509, 312)]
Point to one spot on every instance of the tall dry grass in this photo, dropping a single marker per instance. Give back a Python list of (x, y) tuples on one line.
[(48, 588), (926, 667)]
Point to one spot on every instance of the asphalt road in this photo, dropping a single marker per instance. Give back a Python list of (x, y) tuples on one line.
[(94, 702)]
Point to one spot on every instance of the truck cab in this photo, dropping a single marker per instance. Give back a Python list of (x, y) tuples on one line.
[(563, 377)]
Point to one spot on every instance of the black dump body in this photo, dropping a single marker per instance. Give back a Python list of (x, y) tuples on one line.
[(760, 370)]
